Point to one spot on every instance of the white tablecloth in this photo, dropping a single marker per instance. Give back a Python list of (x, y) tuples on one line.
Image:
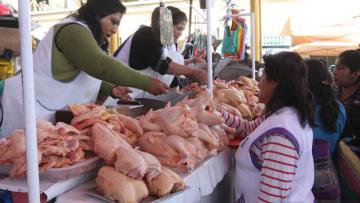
[(202, 181), (50, 189)]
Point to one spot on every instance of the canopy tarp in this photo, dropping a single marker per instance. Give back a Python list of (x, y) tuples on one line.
[(328, 48), (332, 23)]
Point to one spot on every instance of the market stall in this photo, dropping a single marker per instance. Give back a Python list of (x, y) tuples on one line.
[(200, 182)]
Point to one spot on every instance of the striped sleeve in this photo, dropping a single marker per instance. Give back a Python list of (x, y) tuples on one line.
[(243, 127), (278, 157)]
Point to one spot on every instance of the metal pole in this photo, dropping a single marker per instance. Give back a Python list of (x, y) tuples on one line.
[(255, 6), (29, 103), (253, 45), (209, 10), (190, 16)]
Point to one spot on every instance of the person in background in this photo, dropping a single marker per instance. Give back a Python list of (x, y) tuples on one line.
[(330, 115), (274, 162), (143, 51), (347, 78), (71, 65), (188, 49), (330, 119)]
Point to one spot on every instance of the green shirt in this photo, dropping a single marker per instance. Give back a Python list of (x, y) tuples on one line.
[(80, 52)]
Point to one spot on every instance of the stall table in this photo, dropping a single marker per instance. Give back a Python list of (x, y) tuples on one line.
[(202, 182), (48, 189)]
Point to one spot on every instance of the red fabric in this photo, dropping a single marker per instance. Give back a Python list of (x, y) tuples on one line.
[(4, 10)]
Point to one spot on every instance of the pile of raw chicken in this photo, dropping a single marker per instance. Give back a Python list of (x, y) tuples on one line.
[(238, 97), (130, 174), (58, 146), (142, 153)]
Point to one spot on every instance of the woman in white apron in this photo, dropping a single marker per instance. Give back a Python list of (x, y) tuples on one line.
[(70, 64), (274, 162), (143, 51)]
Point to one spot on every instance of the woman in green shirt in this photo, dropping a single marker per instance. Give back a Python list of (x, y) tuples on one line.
[(71, 64)]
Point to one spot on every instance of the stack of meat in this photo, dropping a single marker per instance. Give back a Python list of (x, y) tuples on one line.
[(183, 135), (130, 174), (58, 146), (86, 115), (239, 97)]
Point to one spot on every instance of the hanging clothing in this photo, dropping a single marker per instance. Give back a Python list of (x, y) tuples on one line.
[(233, 44), (248, 178), (50, 94), (242, 31)]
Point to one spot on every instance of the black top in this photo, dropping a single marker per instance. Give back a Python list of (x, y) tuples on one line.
[(352, 107), (145, 51)]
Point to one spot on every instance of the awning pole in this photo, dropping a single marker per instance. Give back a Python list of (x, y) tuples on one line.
[(253, 46), (29, 102), (209, 10)]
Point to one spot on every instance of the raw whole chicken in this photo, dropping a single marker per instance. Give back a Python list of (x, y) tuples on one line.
[(165, 183), (65, 129), (230, 96), (131, 123), (106, 143), (16, 154), (203, 109), (130, 163), (126, 127), (239, 97), (152, 163), (118, 187), (78, 109), (171, 150), (89, 118), (155, 144), (170, 120)]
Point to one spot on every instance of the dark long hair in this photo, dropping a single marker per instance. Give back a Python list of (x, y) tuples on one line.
[(290, 72), (177, 17), (320, 81), (94, 10)]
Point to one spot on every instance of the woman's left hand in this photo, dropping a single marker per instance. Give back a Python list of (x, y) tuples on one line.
[(200, 57), (121, 93), (199, 76), (198, 60)]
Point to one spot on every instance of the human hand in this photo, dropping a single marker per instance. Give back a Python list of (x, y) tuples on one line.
[(199, 58), (157, 87), (199, 75), (121, 93)]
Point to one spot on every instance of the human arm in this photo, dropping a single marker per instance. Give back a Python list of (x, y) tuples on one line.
[(243, 127), (147, 52), (196, 74), (278, 161), (81, 49)]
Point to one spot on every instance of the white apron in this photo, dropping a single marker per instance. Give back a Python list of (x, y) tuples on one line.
[(247, 177), (50, 94), (124, 56)]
